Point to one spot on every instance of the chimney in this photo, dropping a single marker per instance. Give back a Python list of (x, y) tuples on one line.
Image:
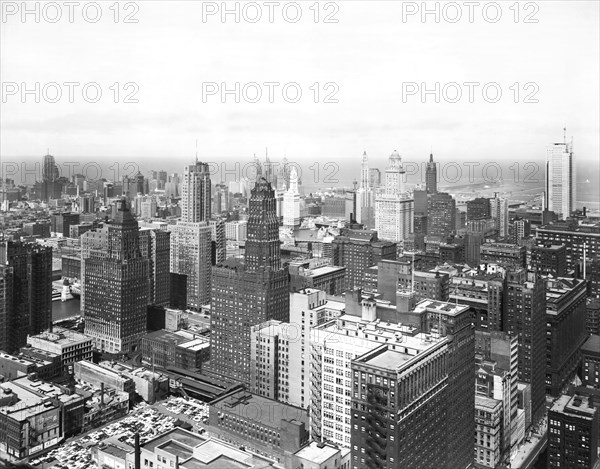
[(176, 462), (102, 393), (136, 451)]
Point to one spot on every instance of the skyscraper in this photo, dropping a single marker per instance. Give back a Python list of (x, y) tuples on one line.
[(525, 318), (50, 187), (394, 207), (155, 246), (191, 237), (196, 193), (477, 208), (365, 193), (117, 286), (27, 284), (441, 214), (244, 295), (431, 176), (561, 193), (499, 212), (291, 202), (49, 169)]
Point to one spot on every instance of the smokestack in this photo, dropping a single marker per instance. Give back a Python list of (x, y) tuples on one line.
[(137, 451), (102, 393), (176, 462)]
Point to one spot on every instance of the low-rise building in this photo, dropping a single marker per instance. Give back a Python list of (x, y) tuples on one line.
[(70, 345), (183, 449), (29, 422), (267, 427)]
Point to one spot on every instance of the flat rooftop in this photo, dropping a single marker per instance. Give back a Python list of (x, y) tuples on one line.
[(195, 345), (251, 407), (574, 405), (177, 449), (323, 270), (487, 402), (389, 359), (61, 336), (313, 453), (434, 306), (181, 436)]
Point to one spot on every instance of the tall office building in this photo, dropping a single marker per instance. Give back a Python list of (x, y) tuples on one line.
[(561, 185), (499, 212), (565, 334), (49, 169), (411, 395), (291, 202), (365, 194), (117, 286), (6, 292), (50, 188), (191, 255), (155, 245), (250, 293), (196, 193), (191, 237), (281, 351), (431, 176), (573, 435), (27, 285), (218, 239), (357, 250), (477, 208), (525, 318), (394, 208), (441, 214)]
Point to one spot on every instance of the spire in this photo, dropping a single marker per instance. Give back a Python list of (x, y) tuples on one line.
[(431, 157), (565, 134), (196, 151)]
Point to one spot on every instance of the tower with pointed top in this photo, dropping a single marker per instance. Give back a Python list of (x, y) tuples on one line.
[(365, 195), (431, 176), (291, 202), (247, 294), (116, 285), (394, 207)]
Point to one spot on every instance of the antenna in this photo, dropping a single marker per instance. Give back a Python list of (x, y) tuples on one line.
[(565, 134), (196, 151)]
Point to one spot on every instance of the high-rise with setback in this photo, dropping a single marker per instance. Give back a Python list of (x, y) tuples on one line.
[(117, 286), (191, 237), (394, 208), (250, 293), (431, 176)]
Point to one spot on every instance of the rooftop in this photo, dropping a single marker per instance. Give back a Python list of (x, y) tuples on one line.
[(195, 345), (61, 336), (316, 453), (450, 309), (487, 403), (250, 405), (574, 405), (388, 359), (592, 345)]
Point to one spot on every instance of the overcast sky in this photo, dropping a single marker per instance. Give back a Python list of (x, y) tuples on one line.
[(369, 53)]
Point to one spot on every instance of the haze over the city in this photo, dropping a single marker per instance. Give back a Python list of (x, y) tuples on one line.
[(368, 54)]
